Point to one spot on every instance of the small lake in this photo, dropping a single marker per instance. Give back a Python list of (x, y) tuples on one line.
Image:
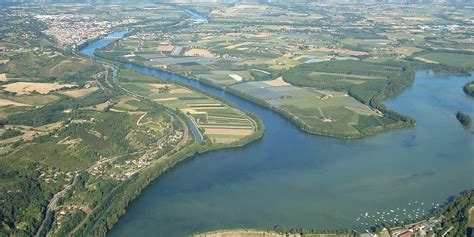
[(300, 180)]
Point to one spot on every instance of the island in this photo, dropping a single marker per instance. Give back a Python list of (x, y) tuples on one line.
[(469, 88), (464, 119)]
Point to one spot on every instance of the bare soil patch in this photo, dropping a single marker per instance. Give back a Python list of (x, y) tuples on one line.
[(426, 60), (165, 99), (26, 88), (159, 86), (277, 82), (228, 131), (100, 106), (199, 52), (165, 48)]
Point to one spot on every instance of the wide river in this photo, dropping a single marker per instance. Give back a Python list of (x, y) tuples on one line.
[(296, 179)]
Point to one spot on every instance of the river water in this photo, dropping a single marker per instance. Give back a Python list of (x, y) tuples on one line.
[(296, 179)]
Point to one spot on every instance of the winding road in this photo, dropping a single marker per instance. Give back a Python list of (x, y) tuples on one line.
[(52, 204)]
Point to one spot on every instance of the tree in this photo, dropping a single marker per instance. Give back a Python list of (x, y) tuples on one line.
[(464, 119)]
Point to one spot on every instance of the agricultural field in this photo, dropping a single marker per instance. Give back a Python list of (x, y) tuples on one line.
[(322, 112), (217, 121), (362, 79), (241, 45), (451, 58)]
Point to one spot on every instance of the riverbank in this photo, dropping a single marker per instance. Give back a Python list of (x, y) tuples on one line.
[(107, 212), (298, 120), (244, 233), (183, 202), (453, 218), (264, 233)]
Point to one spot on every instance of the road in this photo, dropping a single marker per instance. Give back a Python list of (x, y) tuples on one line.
[(52, 204), (163, 158)]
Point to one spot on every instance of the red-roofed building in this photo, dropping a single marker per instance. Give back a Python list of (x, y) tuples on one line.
[(406, 234)]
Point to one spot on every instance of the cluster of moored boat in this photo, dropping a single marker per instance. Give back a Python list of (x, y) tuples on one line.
[(399, 215)]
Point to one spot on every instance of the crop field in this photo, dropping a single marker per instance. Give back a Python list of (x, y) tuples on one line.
[(218, 121), (362, 78), (452, 59), (5, 102), (26, 88), (33, 99), (78, 93), (327, 112)]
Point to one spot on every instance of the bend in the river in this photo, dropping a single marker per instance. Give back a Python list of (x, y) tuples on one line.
[(295, 179)]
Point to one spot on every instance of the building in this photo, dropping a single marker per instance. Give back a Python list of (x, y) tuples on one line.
[(406, 234)]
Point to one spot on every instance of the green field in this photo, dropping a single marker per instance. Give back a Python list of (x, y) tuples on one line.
[(451, 59), (322, 112)]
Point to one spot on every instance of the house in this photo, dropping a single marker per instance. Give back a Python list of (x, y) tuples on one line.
[(415, 227), (406, 234)]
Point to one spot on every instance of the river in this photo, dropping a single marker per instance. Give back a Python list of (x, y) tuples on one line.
[(296, 179)]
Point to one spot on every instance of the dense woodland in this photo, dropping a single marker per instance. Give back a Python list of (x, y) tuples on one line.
[(464, 119)]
